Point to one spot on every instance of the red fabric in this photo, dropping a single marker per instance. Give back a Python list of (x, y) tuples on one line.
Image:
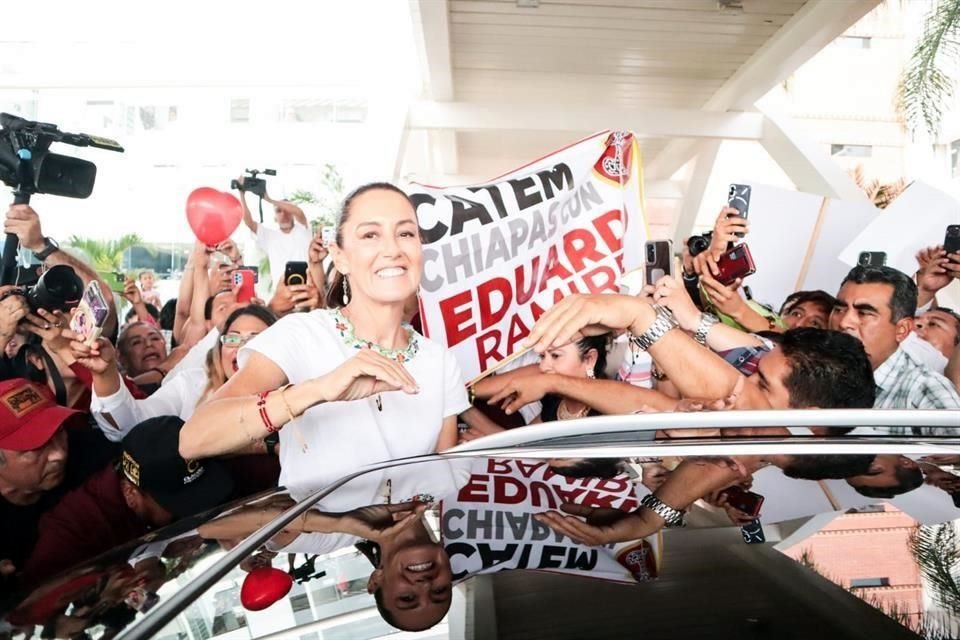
[(88, 521), (83, 375)]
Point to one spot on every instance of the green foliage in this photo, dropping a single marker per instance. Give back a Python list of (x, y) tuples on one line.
[(938, 556), (105, 255), (926, 85)]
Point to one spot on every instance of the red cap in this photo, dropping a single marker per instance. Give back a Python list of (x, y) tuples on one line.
[(29, 416)]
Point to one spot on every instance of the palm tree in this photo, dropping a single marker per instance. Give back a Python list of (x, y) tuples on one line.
[(106, 256), (936, 550), (880, 194), (927, 82)]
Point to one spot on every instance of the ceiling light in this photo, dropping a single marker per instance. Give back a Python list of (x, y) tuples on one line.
[(528, 4)]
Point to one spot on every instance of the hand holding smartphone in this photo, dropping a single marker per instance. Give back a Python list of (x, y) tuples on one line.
[(295, 272), (951, 240), (243, 282), (738, 197), (658, 260), (90, 315), (746, 501), (735, 263)]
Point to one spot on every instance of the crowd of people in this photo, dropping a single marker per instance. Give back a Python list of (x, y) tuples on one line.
[(177, 408)]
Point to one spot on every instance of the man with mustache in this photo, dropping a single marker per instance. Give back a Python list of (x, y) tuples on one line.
[(877, 306), (45, 451)]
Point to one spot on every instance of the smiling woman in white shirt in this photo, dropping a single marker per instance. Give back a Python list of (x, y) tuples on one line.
[(349, 385), (117, 412)]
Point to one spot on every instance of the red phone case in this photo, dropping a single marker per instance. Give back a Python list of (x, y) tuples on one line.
[(746, 501), (735, 263), (243, 278)]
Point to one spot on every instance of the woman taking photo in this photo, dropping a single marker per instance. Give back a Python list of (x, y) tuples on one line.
[(349, 385), (117, 412)]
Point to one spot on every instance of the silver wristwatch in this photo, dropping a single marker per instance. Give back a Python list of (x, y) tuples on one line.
[(663, 323), (707, 320), (672, 517)]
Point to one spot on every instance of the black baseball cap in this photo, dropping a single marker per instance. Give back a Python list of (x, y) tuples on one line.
[(151, 461)]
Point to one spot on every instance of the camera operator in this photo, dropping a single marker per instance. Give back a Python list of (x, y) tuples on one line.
[(23, 221), (287, 243)]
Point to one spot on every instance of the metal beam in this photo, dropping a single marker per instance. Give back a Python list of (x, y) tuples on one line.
[(466, 116), (814, 26), (697, 184), (432, 40), (807, 165)]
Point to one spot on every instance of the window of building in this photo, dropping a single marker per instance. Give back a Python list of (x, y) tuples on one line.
[(863, 583), (347, 111), (851, 150), (955, 159), (240, 110), (854, 42)]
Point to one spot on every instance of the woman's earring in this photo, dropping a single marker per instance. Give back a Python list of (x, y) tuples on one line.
[(590, 373), (346, 291)]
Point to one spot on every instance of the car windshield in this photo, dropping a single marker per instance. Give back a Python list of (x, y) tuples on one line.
[(483, 541)]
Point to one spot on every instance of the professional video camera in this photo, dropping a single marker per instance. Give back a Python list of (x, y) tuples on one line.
[(255, 185), (27, 165), (252, 183)]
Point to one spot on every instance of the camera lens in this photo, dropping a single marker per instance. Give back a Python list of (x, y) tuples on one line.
[(651, 253)]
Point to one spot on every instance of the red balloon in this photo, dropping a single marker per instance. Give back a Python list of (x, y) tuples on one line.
[(264, 586), (213, 215)]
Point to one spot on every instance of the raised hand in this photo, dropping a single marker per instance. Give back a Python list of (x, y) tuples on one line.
[(670, 292), (583, 315)]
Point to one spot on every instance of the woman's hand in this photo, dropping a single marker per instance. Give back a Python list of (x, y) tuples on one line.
[(317, 252), (671, 293), (365, 374), (99, 358), (131, 292)]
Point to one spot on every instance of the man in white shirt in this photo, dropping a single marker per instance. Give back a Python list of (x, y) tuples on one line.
[(289, 242)]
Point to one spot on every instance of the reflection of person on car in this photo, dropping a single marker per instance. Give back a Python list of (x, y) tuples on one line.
[(411, 582)]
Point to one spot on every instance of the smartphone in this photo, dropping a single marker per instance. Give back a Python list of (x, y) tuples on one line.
[(243, 281), (735, 263), (951, 241), (90, 315), (746, 501), (295, 273), (255, 269), (739, 198), (753, 533), (117, 281), (328, 236), (872, 259), (658, 259)]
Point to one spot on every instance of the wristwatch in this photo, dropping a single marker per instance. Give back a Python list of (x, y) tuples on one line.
[(672, 517), (49, 246), (707, 320), (663, 323)]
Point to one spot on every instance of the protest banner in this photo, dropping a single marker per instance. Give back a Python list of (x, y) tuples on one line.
[(497, 255), (489, 525)]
